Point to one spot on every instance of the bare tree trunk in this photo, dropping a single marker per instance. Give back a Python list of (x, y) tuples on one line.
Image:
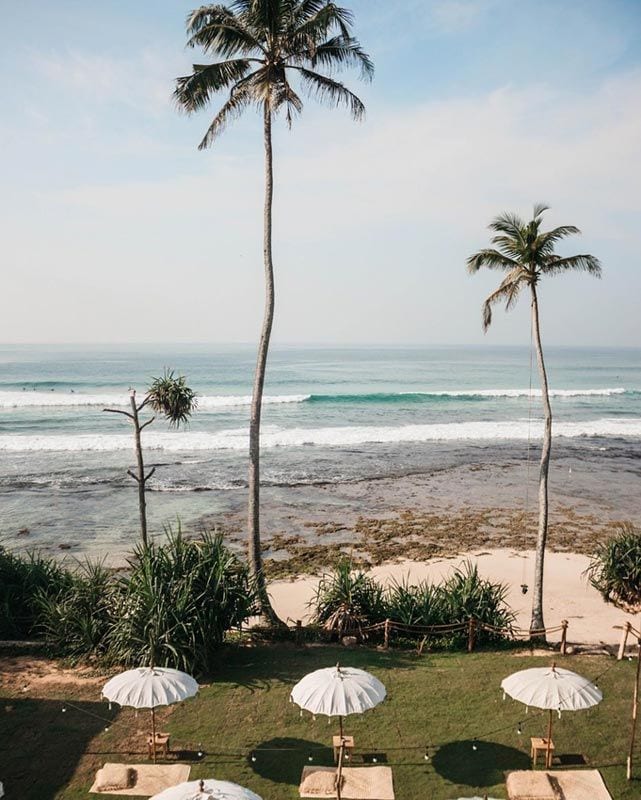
[(140, 478), (537, 625), (253, 511)]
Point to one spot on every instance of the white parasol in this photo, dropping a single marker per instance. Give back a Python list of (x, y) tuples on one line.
[(554, 689), (338, 691), (150, 687), (206, 790)]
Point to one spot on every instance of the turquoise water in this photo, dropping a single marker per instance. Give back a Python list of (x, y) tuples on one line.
[(331, 415)]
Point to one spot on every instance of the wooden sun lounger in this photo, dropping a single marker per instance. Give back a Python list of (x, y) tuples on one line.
[(150, 779)]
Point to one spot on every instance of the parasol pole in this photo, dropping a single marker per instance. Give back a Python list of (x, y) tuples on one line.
[(153, 733), (340, 726), (339, 771), (549, 742)]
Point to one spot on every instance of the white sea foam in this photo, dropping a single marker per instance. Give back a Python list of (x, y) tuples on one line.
[(236, 439), (522, 392), (76, 399)]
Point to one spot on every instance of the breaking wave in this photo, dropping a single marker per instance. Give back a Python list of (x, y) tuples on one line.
[(236, 439)]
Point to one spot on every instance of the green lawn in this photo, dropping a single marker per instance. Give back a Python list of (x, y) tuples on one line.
[(451, 702)]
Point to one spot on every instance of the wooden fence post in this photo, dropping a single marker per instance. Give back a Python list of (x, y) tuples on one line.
[(299, 633), (386, 635), (564, 636), (471, 634), (624, 640)]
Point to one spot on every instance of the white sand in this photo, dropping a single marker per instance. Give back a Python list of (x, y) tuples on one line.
[(567, 595)]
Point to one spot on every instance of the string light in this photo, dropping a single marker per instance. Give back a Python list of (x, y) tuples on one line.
[(426, 755), (253, 756), (519, 729), (474, 745), (374, 760), (310, 757), (64, 709)]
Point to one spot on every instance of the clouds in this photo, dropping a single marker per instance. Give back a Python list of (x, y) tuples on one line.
[(112, 213)]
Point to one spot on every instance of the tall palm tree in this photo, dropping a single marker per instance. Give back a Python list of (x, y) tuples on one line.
[(174, 400), (263, 44), (526, 254)]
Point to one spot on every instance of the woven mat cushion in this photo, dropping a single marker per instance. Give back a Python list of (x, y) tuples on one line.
[(319, 782), (359, 783), (562, 784), (528, 785), (115, 776), (150, 779)]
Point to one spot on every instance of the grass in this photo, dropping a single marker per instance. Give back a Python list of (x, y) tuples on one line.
[(450, 702)]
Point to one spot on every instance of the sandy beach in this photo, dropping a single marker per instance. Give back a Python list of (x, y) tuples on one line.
[(567, 594)]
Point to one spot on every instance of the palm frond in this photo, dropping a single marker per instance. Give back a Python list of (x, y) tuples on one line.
[(492, 259), (538, 210), (194, 91), (332, 92), (319, 22), (579, 263), (283, 95), (547, 239), (507, 292), (237, 102), (339, 52), (509, 224), (219, 30)]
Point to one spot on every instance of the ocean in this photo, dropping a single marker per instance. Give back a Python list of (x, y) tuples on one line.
[(332, 417)]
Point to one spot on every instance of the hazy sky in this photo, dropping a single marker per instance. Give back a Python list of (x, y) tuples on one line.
[(115, 228)]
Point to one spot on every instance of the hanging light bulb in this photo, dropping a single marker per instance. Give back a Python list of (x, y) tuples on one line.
[(426, 755), (253, 756), (64, 709), (474, 745), (200, 754), (310, 757), (106, 727), (374, 760), (519, 729)]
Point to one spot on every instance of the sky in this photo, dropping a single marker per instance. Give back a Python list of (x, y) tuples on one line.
[(115, 228)]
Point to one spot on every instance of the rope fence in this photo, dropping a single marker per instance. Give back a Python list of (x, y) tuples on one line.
[(472, 626)]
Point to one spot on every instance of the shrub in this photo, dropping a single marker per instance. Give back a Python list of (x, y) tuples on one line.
[(415, 604), (615, 569), (346, 601), (75, 620), (467, 595), (23, 579), (176, 603)]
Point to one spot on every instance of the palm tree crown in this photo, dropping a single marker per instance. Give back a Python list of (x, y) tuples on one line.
[(263, 44), (526, 253)]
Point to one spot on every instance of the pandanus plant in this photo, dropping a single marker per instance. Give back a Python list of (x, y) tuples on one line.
[(170, 397)]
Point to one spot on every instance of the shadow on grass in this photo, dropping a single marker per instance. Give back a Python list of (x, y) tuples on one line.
[(460, 763), (282, 759), (41, 745), (254, 668)]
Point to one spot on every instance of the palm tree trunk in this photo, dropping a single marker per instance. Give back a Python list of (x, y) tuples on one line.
[(537, 625), (140, 478), (253, 511)]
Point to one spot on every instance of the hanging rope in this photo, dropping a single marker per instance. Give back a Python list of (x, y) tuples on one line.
[(524, 585)]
